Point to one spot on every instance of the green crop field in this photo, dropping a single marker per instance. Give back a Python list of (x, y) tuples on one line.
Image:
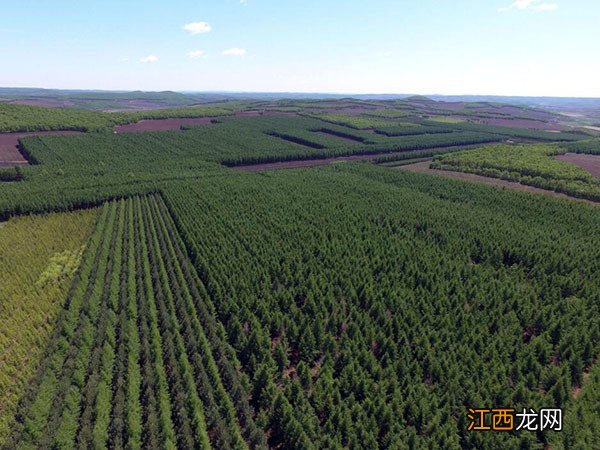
[(188, 303)]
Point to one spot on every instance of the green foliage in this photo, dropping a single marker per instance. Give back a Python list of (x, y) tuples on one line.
[(523, 133), (412, 130), (11, 174), (81, 170), (38, 259), (527, 164), (348, 306), (362, 293), (15, 117), (178, 365), (358, 122), (591, 147), (386, 114)]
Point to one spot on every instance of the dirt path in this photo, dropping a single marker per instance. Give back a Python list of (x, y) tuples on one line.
[(591, 163), (423, 167), (9, 146)]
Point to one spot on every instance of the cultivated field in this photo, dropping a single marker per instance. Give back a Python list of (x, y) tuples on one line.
[(9, 146), (591, 163)]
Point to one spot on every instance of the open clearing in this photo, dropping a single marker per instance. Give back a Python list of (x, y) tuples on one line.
[(423, 167), (591, 163), (9, 146)]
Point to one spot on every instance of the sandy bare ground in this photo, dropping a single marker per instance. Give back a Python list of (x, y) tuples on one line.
[(423, 167), (9, 146), (591, 163)]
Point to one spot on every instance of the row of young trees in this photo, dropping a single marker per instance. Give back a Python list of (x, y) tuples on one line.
[(82, 170), (137, 360), (371, 308), (528, 164)]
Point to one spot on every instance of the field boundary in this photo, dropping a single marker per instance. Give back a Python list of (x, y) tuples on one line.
[(423, 167)]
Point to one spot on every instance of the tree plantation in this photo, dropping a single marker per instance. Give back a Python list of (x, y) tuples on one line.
[(154, 294)]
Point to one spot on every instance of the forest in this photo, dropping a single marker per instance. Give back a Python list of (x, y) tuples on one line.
[(23, 118), (156, 295), (529, 164)]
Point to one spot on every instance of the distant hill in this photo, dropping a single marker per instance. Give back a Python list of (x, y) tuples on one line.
[(103, 100)]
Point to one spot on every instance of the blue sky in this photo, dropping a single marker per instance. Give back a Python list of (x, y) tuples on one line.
[(504, 47)]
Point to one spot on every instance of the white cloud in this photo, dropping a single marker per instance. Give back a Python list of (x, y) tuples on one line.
[(149, 59), (234, 52), (196, 54), (244, 2), (123, 59), (531, 5), (197, 27)]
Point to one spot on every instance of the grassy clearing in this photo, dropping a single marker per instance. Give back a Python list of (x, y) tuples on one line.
[(39, 256)]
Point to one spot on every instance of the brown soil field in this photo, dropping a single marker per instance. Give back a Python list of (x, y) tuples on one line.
[(9, 146), (423, 167), (591, 163)]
